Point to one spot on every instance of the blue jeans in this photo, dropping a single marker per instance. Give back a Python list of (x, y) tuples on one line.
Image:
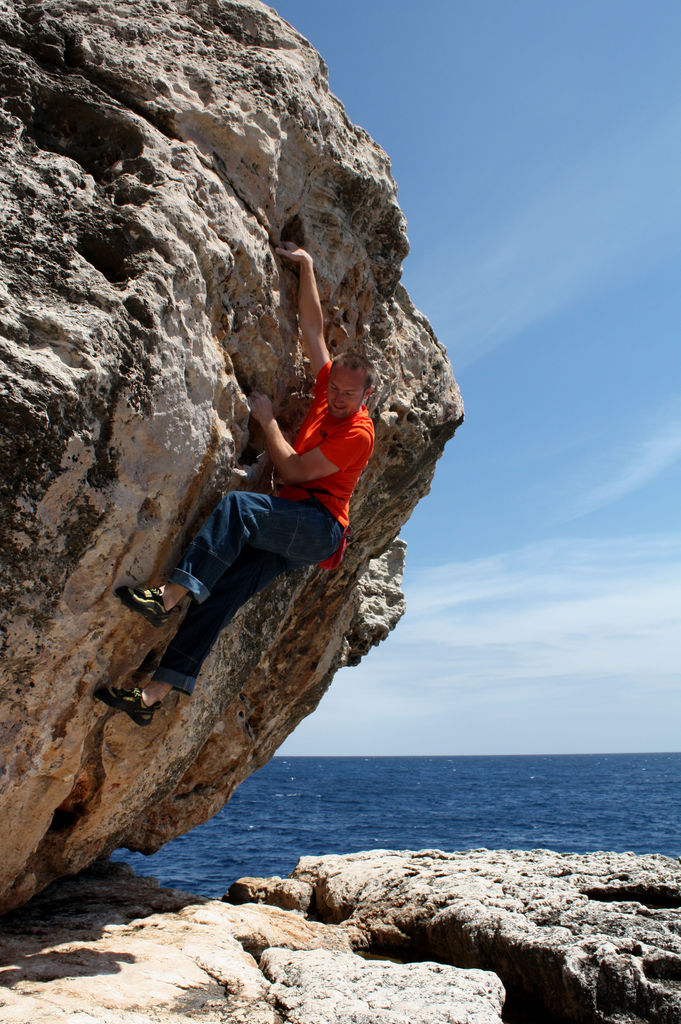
[(248, 541)]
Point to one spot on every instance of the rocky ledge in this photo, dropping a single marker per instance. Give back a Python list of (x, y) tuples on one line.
[(383, 937)]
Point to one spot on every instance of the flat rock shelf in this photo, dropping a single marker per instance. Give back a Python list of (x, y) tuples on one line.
[(383, 937)]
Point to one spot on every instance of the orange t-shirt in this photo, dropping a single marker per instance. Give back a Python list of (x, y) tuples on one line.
[(347, 443)]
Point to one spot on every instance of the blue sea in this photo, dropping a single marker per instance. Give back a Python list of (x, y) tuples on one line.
[(298, 806)]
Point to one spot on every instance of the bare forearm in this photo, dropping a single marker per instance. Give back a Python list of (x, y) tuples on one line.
[(283, 455), (291, 467), (310, 316)]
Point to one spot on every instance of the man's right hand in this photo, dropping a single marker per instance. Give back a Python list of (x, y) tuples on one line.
[(310, 318), (293, 252), (261, 408)]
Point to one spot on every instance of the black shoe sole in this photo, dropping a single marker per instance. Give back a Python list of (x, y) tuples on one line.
[(115, 703), (123, 594)]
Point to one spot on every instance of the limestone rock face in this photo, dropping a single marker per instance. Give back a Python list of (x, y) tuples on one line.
[(486, 935), (109, 948), (320, 987), (590, 938), (151, 153), (287, 893)]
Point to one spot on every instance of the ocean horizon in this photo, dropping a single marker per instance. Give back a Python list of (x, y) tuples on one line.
[(314, 806)]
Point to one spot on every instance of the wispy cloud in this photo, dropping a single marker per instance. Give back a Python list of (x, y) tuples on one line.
[(643, 462), (566, 645), (555, 609), (615, 210)]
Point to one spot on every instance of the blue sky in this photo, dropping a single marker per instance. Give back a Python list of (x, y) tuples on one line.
[(537, 150)]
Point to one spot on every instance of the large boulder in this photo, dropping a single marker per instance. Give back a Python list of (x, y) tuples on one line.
[(109, 948), (151, 154), (585, 938)]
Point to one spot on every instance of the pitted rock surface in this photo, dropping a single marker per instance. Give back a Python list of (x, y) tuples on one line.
[(151, 155), (110, 948), (321, 987), (592, 938)]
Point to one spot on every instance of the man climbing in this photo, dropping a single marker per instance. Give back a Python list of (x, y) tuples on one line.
[(250, 539)]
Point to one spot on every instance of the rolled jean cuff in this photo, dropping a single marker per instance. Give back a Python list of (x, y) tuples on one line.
[(178, 680), (195, 587)]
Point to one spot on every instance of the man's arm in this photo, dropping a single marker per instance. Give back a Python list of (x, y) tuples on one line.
[(310, 317), (291, 467)]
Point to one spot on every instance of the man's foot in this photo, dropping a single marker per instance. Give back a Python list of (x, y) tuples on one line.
[(129, 701), (148, 603)]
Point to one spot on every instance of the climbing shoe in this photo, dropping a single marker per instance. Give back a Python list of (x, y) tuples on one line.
[(148, 603), (129, 701)]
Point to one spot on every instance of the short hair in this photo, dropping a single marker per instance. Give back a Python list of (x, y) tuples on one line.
[(356, 361)]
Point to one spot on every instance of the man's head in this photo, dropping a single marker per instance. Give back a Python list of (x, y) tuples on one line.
[(349, 384)]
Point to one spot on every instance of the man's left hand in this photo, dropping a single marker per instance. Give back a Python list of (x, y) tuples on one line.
[(261, 408)]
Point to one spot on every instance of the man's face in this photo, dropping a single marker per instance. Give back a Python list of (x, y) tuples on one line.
[(345, 391)]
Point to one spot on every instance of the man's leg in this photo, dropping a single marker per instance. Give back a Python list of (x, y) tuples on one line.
[(304, 530), (180, 665), (301, 532), (240, 516), (198, 631), (285, 534), (172, 594)]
